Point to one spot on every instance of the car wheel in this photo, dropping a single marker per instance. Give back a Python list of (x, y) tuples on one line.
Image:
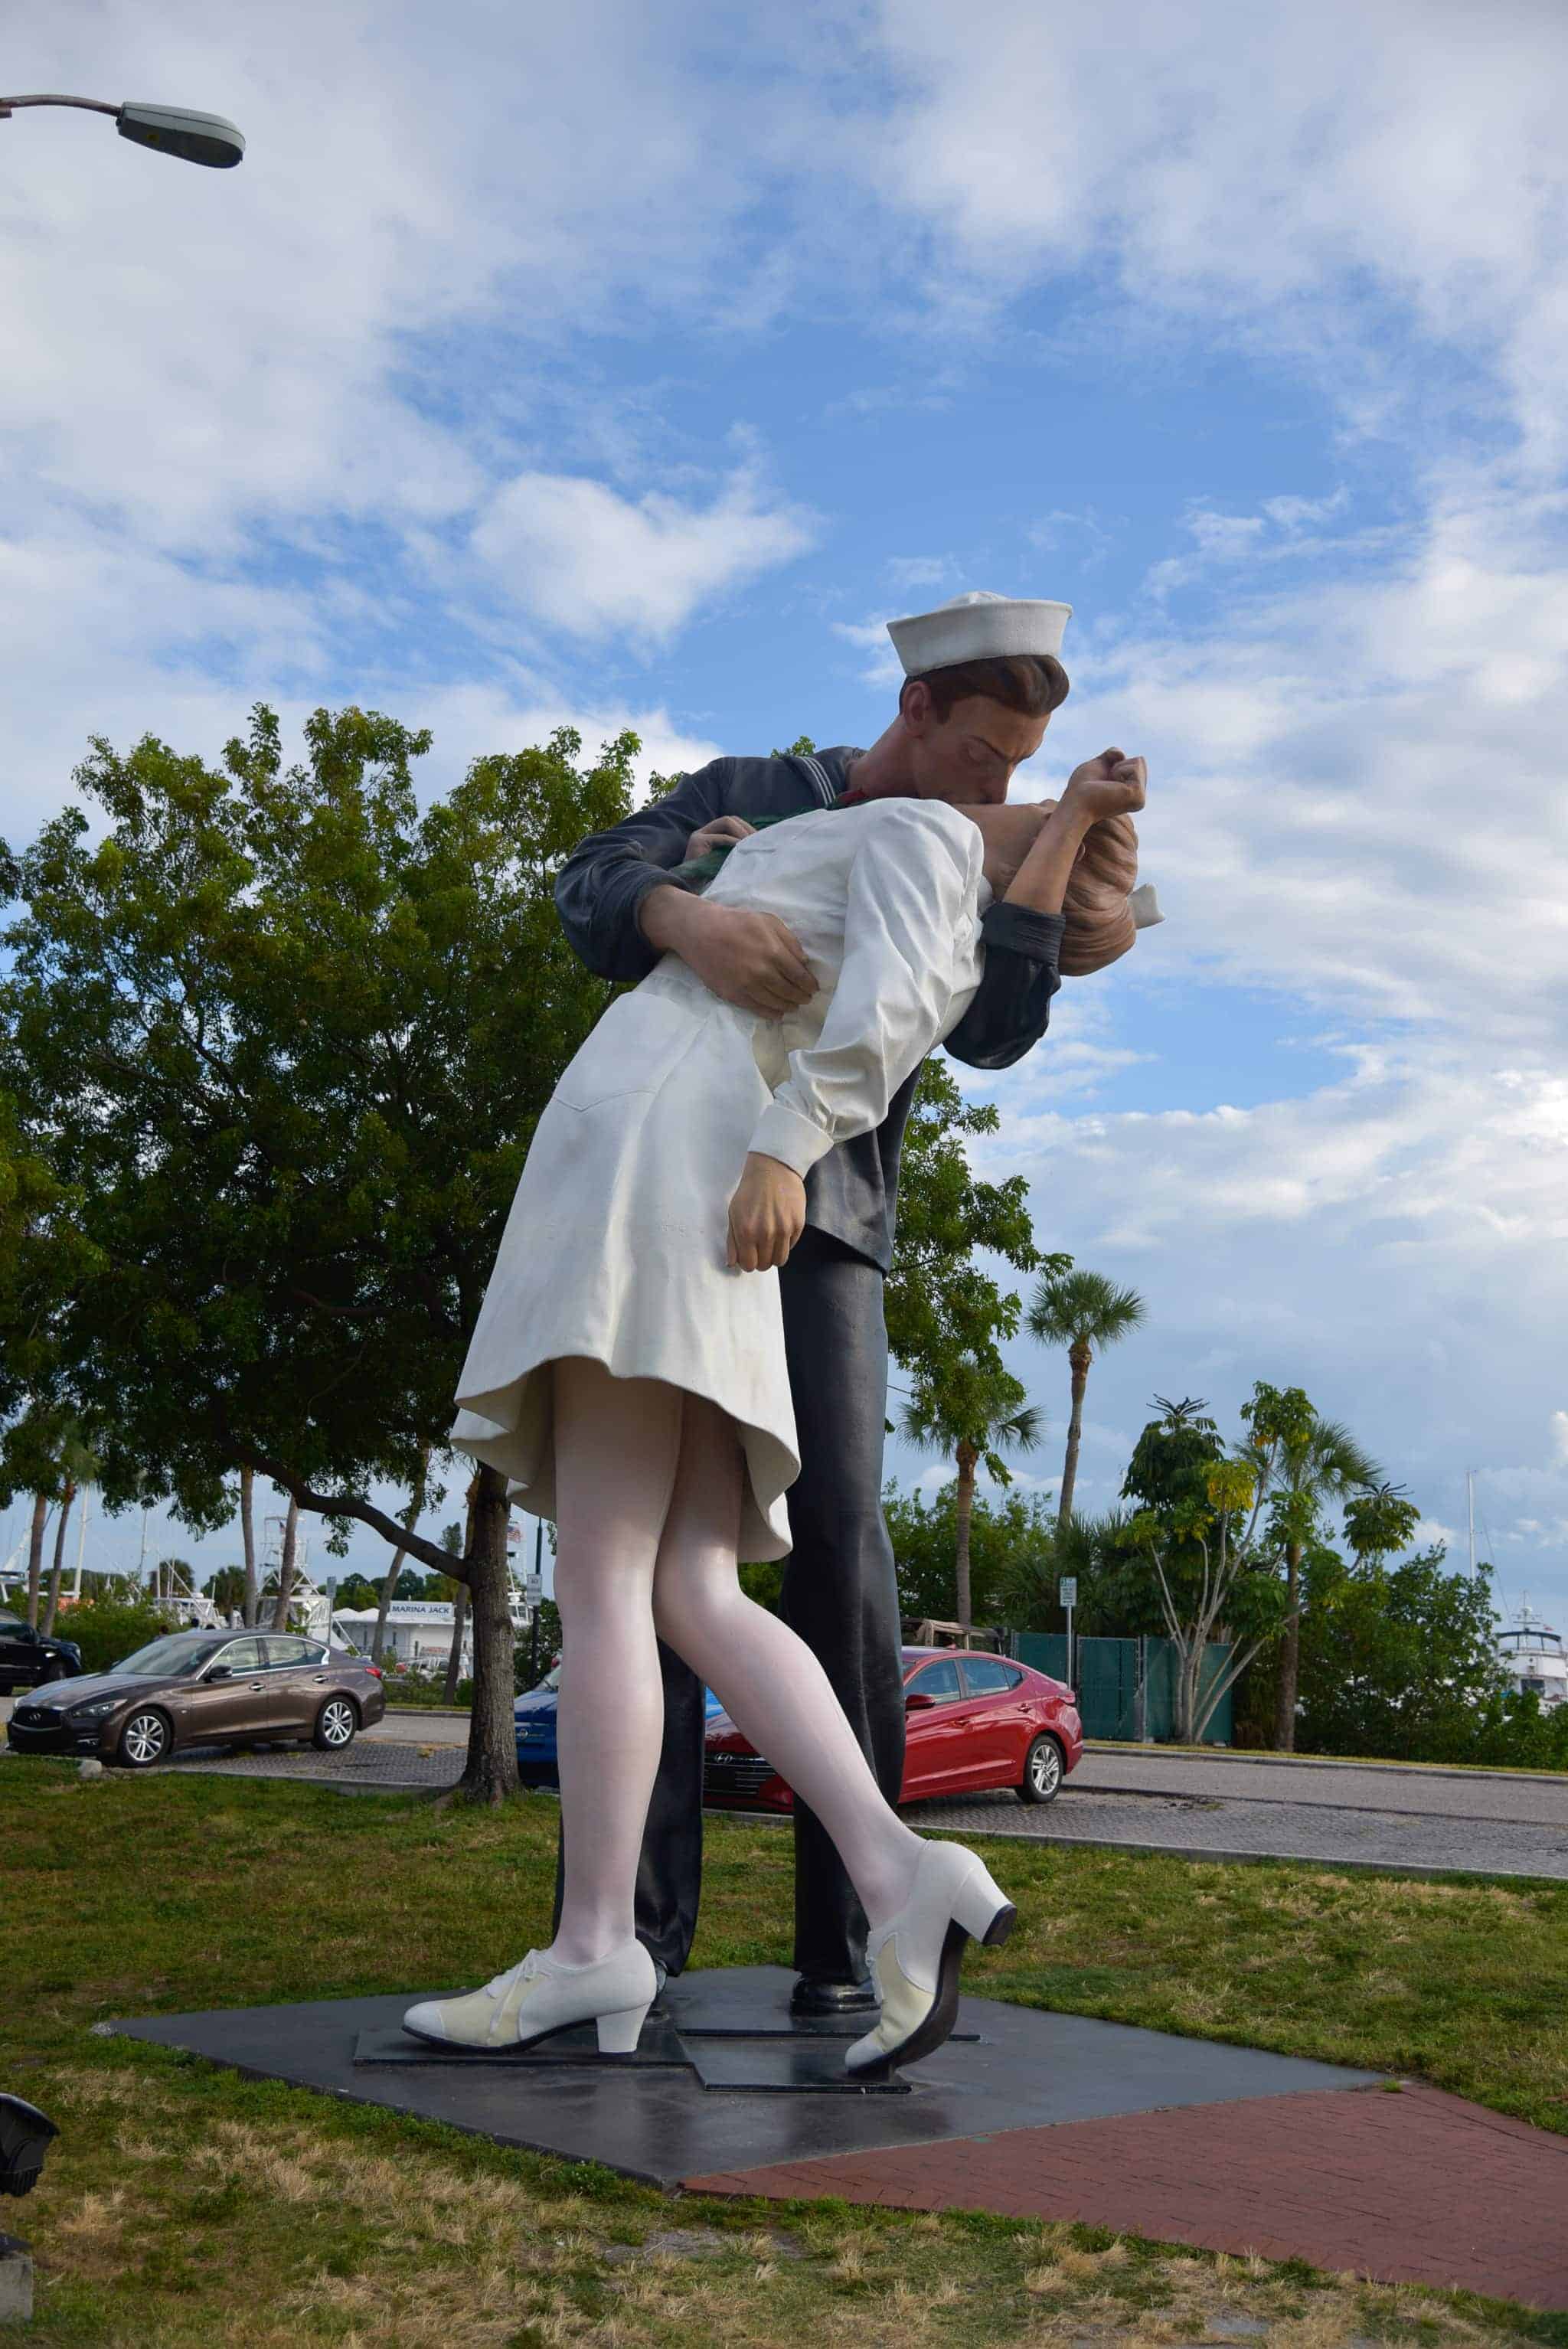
[(144, 1740), (1042, 1781), (334, 1725)]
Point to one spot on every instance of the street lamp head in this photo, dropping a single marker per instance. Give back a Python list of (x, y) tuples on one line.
[(175, 131)]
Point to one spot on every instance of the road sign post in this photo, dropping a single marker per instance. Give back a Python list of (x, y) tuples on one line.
[(1067, 1589)]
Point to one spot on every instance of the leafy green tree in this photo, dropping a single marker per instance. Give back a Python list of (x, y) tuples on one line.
[(44, 1259), (1086, 1313), (1116, 1598), (1010, 1541), (1214, 1565), (288, 1038), (1301, 1462), (526, 1673), (971, 1411), (1400, 1661), (226, 1589), (941, 1304)]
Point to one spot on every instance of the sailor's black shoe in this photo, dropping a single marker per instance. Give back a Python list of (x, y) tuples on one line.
[(813, 1996)]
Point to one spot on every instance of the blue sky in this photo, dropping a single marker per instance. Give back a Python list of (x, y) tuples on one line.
[(636, 367)]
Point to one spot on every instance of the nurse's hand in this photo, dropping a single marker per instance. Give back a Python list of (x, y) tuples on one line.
[(724, 831), (767, 1215)]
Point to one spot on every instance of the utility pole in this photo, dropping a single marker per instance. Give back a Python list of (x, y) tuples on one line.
[(1469, 1491), (538, 1587)]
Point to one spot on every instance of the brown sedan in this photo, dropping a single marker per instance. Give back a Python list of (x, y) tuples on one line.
[(202, 1688)]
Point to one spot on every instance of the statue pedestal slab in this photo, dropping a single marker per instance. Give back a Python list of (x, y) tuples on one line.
[(736, 2096)]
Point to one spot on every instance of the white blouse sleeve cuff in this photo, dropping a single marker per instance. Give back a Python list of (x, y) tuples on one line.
[(781, 1133)]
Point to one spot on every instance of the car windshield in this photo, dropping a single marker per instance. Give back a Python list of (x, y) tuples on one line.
[(168, 1658), (11, 1623)]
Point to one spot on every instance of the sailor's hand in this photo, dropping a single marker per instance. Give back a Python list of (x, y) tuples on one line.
[(1111, 785), (767, 1215), (753, 960), (720, 832)]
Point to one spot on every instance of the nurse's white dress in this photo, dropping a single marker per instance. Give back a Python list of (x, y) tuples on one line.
[(615, 1245)]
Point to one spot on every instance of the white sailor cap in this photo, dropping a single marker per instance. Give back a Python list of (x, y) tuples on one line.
[(979, 626)]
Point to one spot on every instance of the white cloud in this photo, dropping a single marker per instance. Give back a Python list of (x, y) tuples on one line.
[(919, 570), (1262, 168), (581, 558), (882, 665), (1355, 786), (1560, 1437)]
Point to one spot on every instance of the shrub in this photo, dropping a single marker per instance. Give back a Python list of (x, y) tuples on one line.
[(111, 1629)]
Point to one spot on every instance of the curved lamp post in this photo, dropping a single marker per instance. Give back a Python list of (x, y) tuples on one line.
[(171, 129)]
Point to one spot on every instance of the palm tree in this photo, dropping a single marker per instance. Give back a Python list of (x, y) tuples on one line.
[(286, 1567), (971, 1412), (248, 1535), (1317, 1461), (78, 1467), (1082, 1311)]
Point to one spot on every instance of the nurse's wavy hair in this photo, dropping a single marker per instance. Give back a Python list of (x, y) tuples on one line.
[(1099, 923)]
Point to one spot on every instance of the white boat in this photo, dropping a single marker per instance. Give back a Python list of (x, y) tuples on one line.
[(1533, 1657)]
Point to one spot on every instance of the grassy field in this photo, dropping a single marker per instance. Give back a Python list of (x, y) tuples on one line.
[(184, 2208)]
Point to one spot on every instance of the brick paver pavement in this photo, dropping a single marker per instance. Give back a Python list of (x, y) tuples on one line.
[(1413, 2187)]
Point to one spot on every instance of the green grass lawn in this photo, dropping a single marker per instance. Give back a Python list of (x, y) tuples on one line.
[(184, 2208)]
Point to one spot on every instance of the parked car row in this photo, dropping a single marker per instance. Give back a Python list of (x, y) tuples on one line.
[(203, 1688), (29, 1658), (971, 1723)]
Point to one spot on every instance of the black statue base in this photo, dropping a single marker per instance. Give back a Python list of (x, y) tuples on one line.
[(718, 2106)]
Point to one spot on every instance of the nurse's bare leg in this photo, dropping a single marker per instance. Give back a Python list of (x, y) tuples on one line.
[(768, 1681), (617, 1444)]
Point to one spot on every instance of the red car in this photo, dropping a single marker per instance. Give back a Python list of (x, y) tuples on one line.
[(970, 1722)]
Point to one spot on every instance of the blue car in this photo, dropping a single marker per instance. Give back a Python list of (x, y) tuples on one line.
[(533, 1721)]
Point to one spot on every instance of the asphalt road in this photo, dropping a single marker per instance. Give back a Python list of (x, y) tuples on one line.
[(1142, 1799)]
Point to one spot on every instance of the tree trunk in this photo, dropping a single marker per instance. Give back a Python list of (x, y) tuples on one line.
[(286, 1567), (389, 1579), (455, 1659), (248, 1535), (1078, 1358), (1289, 1657), (489, 1775), (967, 1457), (53, 1608), (35, 1555)]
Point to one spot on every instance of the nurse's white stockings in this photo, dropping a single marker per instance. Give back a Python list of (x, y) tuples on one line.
[(648, 1494)]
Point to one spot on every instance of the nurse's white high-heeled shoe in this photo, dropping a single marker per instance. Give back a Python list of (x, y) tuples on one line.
[(538, 1996), (914, 1958)]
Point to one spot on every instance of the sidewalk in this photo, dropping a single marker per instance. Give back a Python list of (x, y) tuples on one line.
[(1413, 2187)]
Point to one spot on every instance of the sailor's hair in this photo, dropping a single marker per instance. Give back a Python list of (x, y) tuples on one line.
[(1033, 684)]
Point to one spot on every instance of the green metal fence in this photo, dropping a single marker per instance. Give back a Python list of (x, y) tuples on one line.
[(1112, 1702)]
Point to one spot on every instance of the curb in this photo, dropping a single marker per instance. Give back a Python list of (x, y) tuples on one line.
[(1464, 1771)]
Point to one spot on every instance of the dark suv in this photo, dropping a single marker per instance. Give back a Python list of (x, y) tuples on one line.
[(28, 1658), (205, 1688)]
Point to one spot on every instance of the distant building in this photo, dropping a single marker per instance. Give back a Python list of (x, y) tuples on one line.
[(418, 1633)]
